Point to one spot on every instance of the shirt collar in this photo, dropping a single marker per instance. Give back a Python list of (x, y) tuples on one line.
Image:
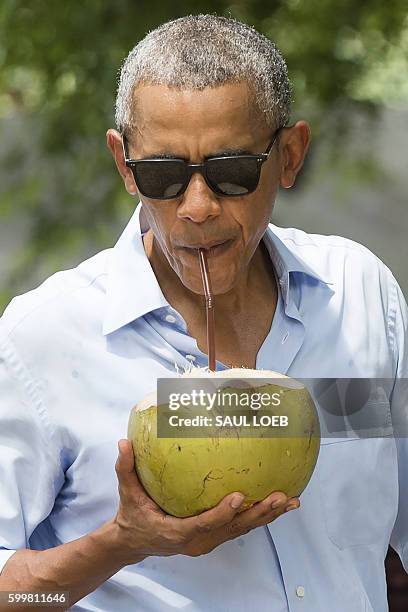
[(288, 261), (133, 289)]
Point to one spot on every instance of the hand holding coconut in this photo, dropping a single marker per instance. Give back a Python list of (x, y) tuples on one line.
[(145, 530)]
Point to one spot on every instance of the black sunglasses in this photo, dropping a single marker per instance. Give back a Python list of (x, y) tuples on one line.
[(231, 176)]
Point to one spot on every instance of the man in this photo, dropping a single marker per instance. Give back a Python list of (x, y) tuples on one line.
[(84, 347)]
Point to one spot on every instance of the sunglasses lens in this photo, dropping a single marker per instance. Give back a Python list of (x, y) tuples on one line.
[(233, 176), (163, 179)]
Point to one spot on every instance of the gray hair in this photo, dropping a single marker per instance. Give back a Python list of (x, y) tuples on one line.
[(200, 51)]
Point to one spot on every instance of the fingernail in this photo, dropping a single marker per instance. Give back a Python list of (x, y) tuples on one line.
[(237, 500), (278, 501), (291, 506)]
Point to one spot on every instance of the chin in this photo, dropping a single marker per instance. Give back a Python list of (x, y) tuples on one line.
[(217, 287)]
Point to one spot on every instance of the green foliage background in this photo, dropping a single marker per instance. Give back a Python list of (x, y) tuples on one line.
[(58, 70)]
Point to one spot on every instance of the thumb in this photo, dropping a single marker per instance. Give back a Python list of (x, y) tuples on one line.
[(125, 464), (129, 483)]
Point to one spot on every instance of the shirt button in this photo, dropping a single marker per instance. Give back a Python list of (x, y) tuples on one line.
[(170, 318), (300, 591), (285, 337), (191, 357)]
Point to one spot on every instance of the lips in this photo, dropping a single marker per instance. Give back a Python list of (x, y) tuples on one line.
[(206, 246), (211, 248)]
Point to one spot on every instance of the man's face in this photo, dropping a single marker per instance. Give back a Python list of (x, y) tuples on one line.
[(194, 125)]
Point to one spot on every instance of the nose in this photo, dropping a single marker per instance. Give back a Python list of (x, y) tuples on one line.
[(198, 202)]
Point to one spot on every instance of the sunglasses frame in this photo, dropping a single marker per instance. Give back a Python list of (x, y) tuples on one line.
[(260, 159)]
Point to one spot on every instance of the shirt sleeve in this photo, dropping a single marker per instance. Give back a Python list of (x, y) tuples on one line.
[(399, 406), (30, 473)]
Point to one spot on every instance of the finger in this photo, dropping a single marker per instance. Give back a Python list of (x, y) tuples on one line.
[(293, 504), (259, 514), (278, 498), (220, 515)]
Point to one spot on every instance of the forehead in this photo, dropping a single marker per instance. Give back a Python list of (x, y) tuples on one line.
[(165, 115)]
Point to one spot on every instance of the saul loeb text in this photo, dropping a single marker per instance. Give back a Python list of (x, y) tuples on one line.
[(235, 420)]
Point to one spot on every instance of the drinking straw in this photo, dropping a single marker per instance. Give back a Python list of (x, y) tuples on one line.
[(209, 307)]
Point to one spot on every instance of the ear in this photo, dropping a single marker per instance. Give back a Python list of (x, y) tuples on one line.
[(294, 143), (114, 143)]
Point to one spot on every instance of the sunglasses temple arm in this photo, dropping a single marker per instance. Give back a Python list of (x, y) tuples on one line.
[(125, 147), (275, 136)]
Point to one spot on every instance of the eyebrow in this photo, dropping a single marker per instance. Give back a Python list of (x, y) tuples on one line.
[(220, 153), (162, 156), (231, 153)]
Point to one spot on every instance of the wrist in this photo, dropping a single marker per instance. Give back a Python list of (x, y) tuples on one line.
[(116, 541)]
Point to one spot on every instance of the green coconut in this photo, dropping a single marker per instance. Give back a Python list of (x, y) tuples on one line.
[(188, 475)]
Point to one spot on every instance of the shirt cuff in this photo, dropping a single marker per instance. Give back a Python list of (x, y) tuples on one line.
[(5, 555)]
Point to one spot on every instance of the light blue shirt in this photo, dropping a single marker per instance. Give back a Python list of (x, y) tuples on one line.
[(80, 350)]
